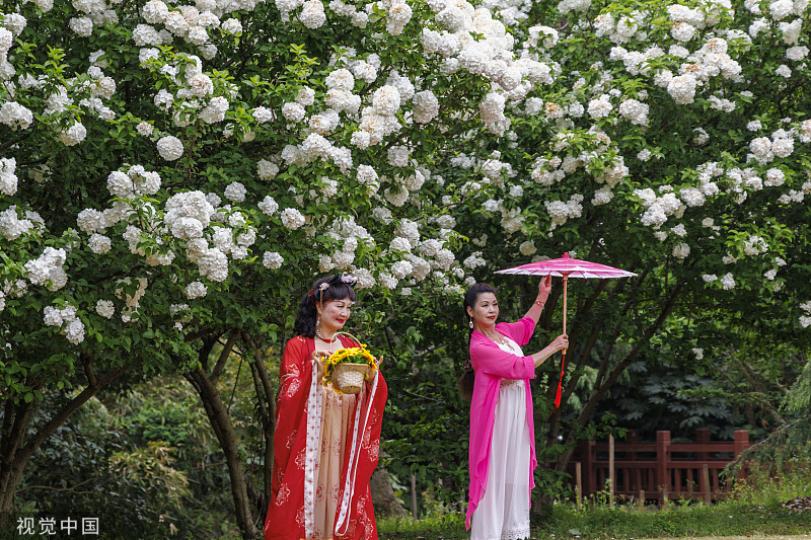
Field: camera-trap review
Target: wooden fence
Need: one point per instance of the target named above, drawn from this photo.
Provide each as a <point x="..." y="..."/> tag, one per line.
<point x="656" y="471"/>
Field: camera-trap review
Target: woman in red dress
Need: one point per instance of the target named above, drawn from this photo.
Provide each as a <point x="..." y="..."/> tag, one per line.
<point x="326" y="444"/>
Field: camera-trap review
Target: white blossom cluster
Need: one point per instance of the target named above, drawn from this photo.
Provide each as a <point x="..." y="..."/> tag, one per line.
<point x="805" y="318"/>
<point x="67" y="321"/>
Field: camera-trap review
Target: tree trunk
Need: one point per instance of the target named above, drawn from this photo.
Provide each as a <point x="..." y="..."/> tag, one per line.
<point x="385" y="502"/>
<point x="266" y="404"/>
<point x="16" y="448"/>
<point x="15" y="426"/>
<point x="227" y="437"/>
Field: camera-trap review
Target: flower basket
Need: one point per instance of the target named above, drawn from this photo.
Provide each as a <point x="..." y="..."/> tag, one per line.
<point x="348" y="369"/>
<point x="349" y="378"/>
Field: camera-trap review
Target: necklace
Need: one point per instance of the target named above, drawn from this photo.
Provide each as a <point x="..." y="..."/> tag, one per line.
<point x="498" y="339"/>
<point x="330" y="341"/>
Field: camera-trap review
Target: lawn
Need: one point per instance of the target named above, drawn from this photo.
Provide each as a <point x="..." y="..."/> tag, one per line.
<point x="600" y="522"/>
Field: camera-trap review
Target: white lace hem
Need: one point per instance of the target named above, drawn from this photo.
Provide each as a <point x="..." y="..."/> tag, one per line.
<point x="519" y="533"/>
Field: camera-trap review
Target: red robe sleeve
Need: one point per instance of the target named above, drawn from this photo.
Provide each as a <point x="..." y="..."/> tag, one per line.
<point x="284" y="518"/>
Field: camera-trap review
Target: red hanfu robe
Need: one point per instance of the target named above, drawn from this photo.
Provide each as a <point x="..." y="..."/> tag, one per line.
<point x="295" y="449"/>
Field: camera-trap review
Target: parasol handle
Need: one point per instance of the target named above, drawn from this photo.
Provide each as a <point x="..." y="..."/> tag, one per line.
<point x="565" y="283"/>
<point x="559" y="391"/>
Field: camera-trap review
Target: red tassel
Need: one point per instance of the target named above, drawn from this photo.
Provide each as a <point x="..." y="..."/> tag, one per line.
<point x="559" y="391"/>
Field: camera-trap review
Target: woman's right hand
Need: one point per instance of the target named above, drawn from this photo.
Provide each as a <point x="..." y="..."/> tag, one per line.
<point x="560" y="343"/>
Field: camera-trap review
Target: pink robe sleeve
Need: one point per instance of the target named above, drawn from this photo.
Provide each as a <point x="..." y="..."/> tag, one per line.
<point x="520" y="331"/>
<point x="488" y="358"/>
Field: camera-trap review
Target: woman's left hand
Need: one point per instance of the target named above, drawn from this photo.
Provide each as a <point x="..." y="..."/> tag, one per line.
<point x="544" y="288"/>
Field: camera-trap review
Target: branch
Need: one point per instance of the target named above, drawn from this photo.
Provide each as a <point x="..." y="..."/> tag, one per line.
<point x="591" y="405"/>
<point x="205" y="350"/>
<point x="87" y="364"/>
<point x="226" y="352"/>
<point x="758" y="385"/>
<point x="72" y="406"/>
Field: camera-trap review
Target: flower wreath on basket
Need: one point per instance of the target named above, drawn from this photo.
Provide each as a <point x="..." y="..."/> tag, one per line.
<point x="348" y="368"/>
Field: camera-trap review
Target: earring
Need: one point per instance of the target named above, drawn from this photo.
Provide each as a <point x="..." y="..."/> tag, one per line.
<point x="471" y="324"/>
<point x="317" y="324"/>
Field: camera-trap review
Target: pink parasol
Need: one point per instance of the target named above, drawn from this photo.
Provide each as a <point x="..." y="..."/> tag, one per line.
<point x="567" y="267"/>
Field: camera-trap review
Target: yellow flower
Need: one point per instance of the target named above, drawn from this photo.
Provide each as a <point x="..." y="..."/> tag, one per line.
<point x="353" y="355"/>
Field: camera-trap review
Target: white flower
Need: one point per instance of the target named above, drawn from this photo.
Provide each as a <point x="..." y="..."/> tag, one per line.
<point x="681" y="251"/>
<point x="709" y="278"/>
<point x="634" y="111"/>
<point x="213" y="264"/>
<point x="268" y="205"/>
<point x="398" y="156"/>
<point x="195" y="289"/>
<point x="698" y="352"/>
<point x="527" y="248"/>
<point x="105" y="308"/>
<point x="401" y="269"/>
<point x="784" y="71"/>
<point x="51" y="316"/>
<point x="306" y="95"/>
<point x="81" y="26"/>
<point x="90" y="220"/>
<point x="600" y="107"/>
<point x="761" y="148"/>
<point x="602" y="196"/>
<point x="170" y="148"/>
<point x="231" y="26"/>
<point x="99" y="244"/>
<point x="400" y="244"/>
<point x="399" y="13"/>
<point x="293" y="112"/>
<point x="387" y="280"/>
<point x="682" y="31"/>
<point x="272" y="260"/>
<point x="47" y="269"/>
<point x="796" y="54"/>
<point x="491" y="110"/>
<point x="144" y="129"/>
<point x="292" y="219"/>
<point x="8" y="180"/>
<point x="341" y="79"/>
<point x="73" y="135"/>
<point x="682" y="88"/>
<point x="235" y="191"/>
<point x="426" y="107"/>
<point x="780" y="9"/>
<point x="774" y="178"/>
<point x="200" y="85"/>
<point x="386" y="100"/>
<point x="312" y="14"/>
<point x="74" y="331"/>
<point x="727" y="281"/>
<point x="266" y="170"/>
<point x="263" y="115"/>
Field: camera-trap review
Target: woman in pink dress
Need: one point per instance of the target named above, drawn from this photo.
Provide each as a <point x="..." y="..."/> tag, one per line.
<point x="502" y="437"/>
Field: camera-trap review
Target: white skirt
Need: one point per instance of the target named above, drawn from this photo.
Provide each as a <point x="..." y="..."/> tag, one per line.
<point x="503" y="512"/>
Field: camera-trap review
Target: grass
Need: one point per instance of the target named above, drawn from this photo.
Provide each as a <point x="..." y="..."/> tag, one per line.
<point x="724" y="519"/>
<point x="755" y="508"/>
